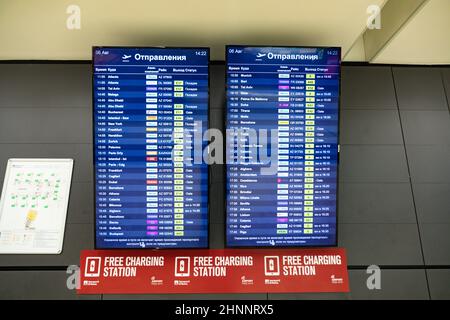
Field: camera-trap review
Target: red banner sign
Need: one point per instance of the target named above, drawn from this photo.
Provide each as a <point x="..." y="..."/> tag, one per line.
<point x="213" y="271"/>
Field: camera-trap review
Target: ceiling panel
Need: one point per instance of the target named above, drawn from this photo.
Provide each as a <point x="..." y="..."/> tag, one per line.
<point x="37" y="29"/>
<point x="424" y="39"/>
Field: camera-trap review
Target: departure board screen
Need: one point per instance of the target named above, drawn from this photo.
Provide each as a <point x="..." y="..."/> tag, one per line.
<point x="148" y="104"/>
<point x="282" y="146"/>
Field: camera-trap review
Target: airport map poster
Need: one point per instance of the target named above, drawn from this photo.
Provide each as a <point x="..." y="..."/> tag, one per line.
<point x="150" y="186"/>
<point x="282" y="113"/>
<point x="33" y="206"/>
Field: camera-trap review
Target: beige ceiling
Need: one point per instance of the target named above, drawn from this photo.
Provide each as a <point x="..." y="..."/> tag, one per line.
<point x="37" y="29"/>
<point x="424" y="39"/>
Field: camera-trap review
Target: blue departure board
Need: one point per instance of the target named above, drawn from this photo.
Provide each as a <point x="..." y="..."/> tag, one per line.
<point x="150" y="192"/>
<point x="282" y="113"/>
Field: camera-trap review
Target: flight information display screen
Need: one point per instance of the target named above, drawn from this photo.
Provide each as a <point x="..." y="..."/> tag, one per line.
<point x="148" y="104"/>
<point x="282" y="146"/>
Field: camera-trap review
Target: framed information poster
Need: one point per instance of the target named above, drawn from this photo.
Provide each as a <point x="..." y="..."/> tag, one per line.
<point x="33" y="205"/>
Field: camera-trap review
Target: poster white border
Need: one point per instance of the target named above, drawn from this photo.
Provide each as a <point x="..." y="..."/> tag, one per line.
<point x="36" y="250"/>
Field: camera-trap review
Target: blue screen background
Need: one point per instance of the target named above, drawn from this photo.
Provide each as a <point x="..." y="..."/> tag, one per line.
<point x="143" y="199"/>
<point x="294" y="90"/>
